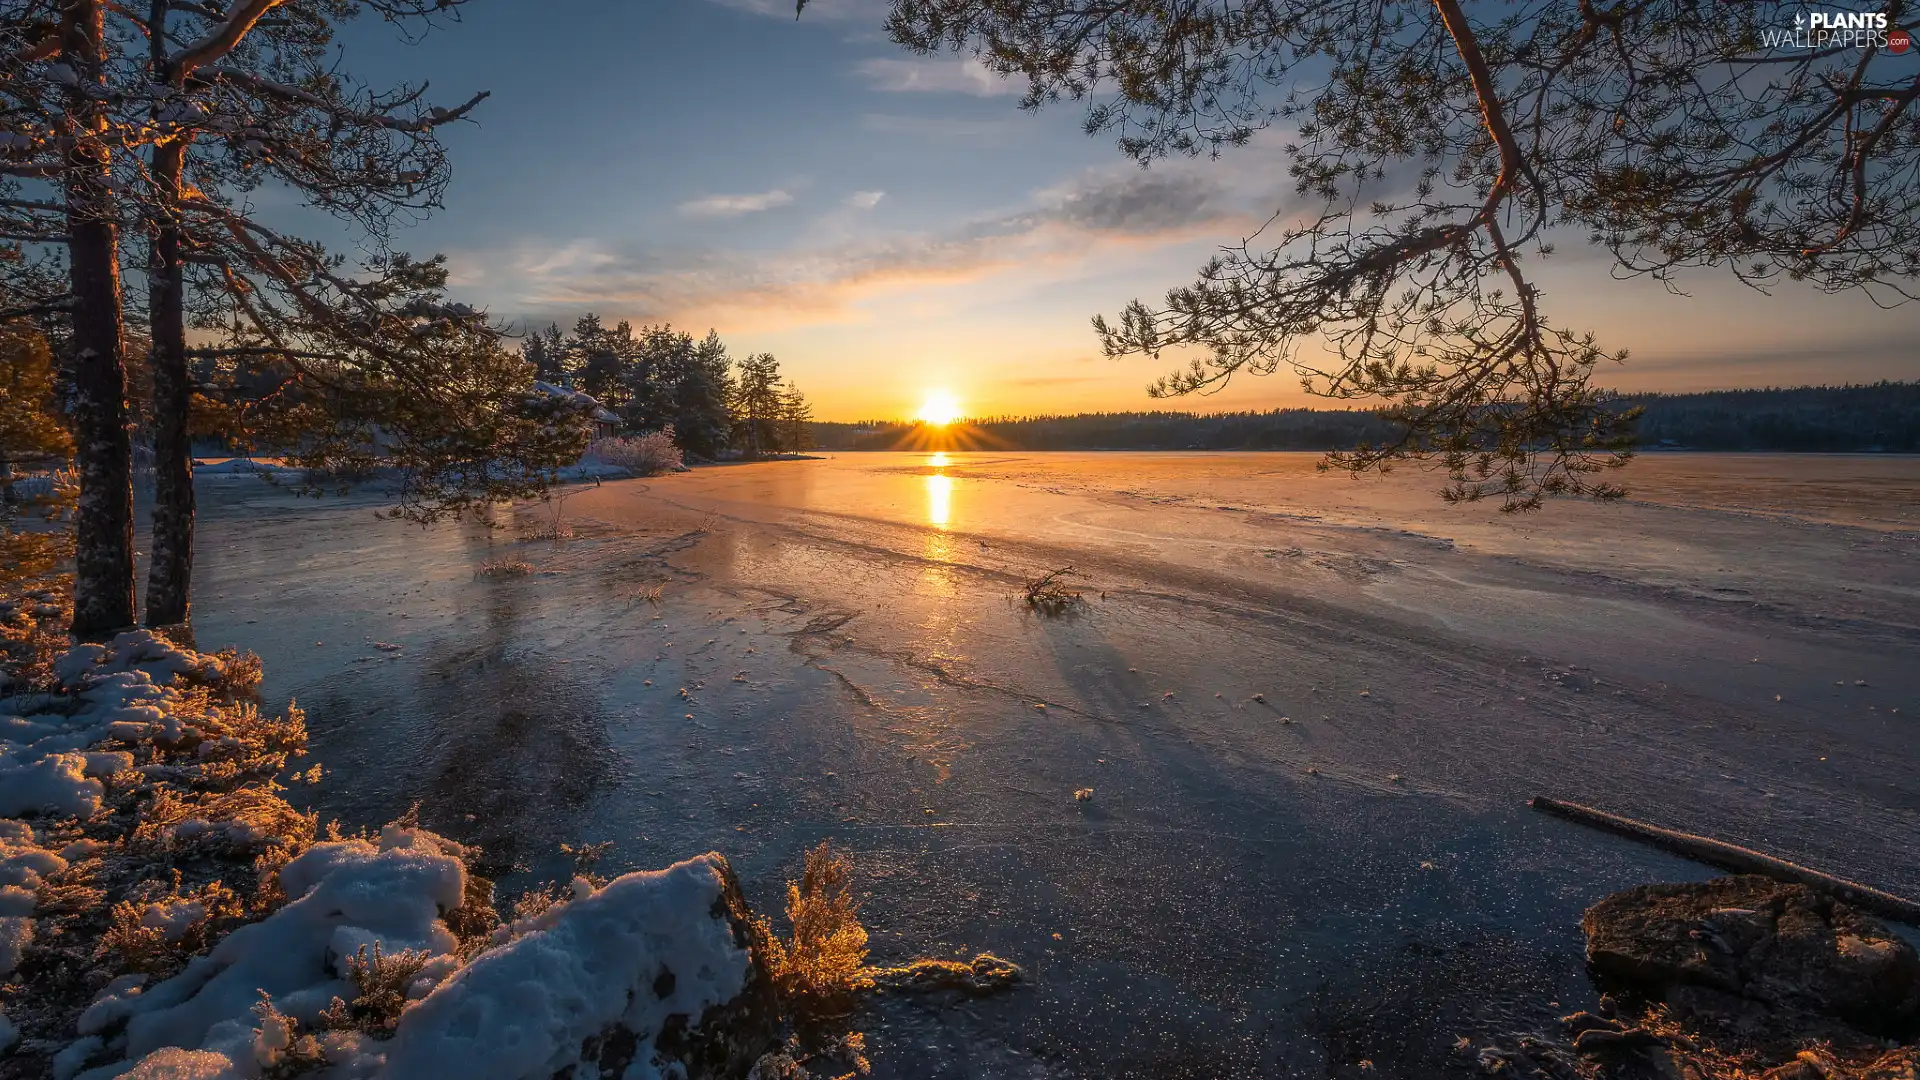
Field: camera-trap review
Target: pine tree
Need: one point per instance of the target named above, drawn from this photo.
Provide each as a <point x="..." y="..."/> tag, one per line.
<point x="657" y="365"/>
<point x="701" y="420"/>
<point x="796" y="416"/>
<point x="756" y="405"/>
<point x="555" y="348"/>
<point x="600" y="359"/>
<point x="544" y="361"/>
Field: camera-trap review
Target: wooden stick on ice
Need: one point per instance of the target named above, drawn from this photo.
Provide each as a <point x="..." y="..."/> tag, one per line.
<point x="1735" y="858"/>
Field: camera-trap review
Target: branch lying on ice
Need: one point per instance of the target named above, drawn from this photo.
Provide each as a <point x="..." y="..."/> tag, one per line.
<point x="1740" y="860"/>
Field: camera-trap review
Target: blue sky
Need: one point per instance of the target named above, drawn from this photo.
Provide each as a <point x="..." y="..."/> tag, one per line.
<point x="889" y="225"/>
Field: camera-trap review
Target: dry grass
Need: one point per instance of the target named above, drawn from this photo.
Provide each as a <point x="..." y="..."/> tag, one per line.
<point x="239" y="677"/>
<point x="586" y="859"/>
<point x="821" y="967"/>
<point x="1652" y="1042"/>
<point x="1052" y="594"/>
<point x="555" y="530"/>
<point x="149" y="949"/>
<point x="846" y="1051"/>
<point x="144" y="897"/>
<point x="534" y="902"/>
<point x="380" y="983"/>
<point x="1779" y="1054"/>
<point x="243" y="822"/>
<point x="644" y="455"/>
<point x="283" y="1050"/>
<point x="475" y="920"/>
<point x="504" y="568"/>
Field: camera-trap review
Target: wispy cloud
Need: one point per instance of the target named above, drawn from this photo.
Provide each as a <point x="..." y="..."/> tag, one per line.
<point x="962" y="76"/>
<point x="865" y="200"/>
<point x="710" y="206"/>
<point x="580" y="256"/>
<point x="1071" y="228"/>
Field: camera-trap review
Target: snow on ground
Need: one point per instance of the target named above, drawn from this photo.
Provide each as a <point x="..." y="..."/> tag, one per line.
<point x="279" y="993"/>
<point x="346" y="895"/>
<point x="51" y="761"/>
<point x="118" y="692"/>
<point x="647" y="947"/>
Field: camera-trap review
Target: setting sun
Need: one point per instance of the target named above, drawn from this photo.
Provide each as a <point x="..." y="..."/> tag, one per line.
<point x="940" y="409"/>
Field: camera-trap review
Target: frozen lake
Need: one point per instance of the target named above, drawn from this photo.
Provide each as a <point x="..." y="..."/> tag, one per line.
<point x="1337" y="871"/>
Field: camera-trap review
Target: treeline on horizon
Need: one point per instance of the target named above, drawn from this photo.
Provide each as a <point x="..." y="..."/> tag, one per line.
<point x="1881" y="417"/>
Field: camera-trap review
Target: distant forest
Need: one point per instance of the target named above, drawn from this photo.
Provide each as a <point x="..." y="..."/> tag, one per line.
<point x="1878" y="418"/>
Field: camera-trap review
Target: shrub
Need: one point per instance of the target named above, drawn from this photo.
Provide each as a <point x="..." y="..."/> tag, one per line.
<point x="1050" y="594"/>
<point x="824" y="963"/>
<point x="381" y="981"/>
<point x="649" y="454"/>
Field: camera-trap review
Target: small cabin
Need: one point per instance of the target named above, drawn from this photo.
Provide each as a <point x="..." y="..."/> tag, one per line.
<point x="605" y="423"/>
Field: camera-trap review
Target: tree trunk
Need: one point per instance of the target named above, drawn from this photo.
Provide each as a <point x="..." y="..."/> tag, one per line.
<point x="170" y="552"/>
<point x="103" y="521"/>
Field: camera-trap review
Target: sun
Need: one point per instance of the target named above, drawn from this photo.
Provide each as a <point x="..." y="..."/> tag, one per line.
<point x="939" y="410"/>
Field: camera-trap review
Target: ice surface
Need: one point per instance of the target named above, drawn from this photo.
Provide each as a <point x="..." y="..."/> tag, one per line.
<point x="1246" y="833"/>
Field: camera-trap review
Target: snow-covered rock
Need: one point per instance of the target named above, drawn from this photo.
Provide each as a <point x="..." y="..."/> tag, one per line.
<point x="653" y="975"/>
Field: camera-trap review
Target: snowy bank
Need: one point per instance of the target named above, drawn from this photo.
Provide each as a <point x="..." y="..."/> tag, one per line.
<point x="648" y="977"/>
<point x="164" y="913"/>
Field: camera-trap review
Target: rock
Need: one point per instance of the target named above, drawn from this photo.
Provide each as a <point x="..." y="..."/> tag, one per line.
<point x="654" y="972"/>
<point x="733" y="1035"/>
<point x="1759" y="941"/>
<point x="729" y="1037"/>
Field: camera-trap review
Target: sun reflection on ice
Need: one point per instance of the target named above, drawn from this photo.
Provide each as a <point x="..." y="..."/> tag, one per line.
<point x="939" y="500"/>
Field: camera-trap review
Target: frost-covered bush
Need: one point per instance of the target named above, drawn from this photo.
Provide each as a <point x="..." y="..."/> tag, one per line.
<point x="824" y="964"/>
<point x="644" y="455"/>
